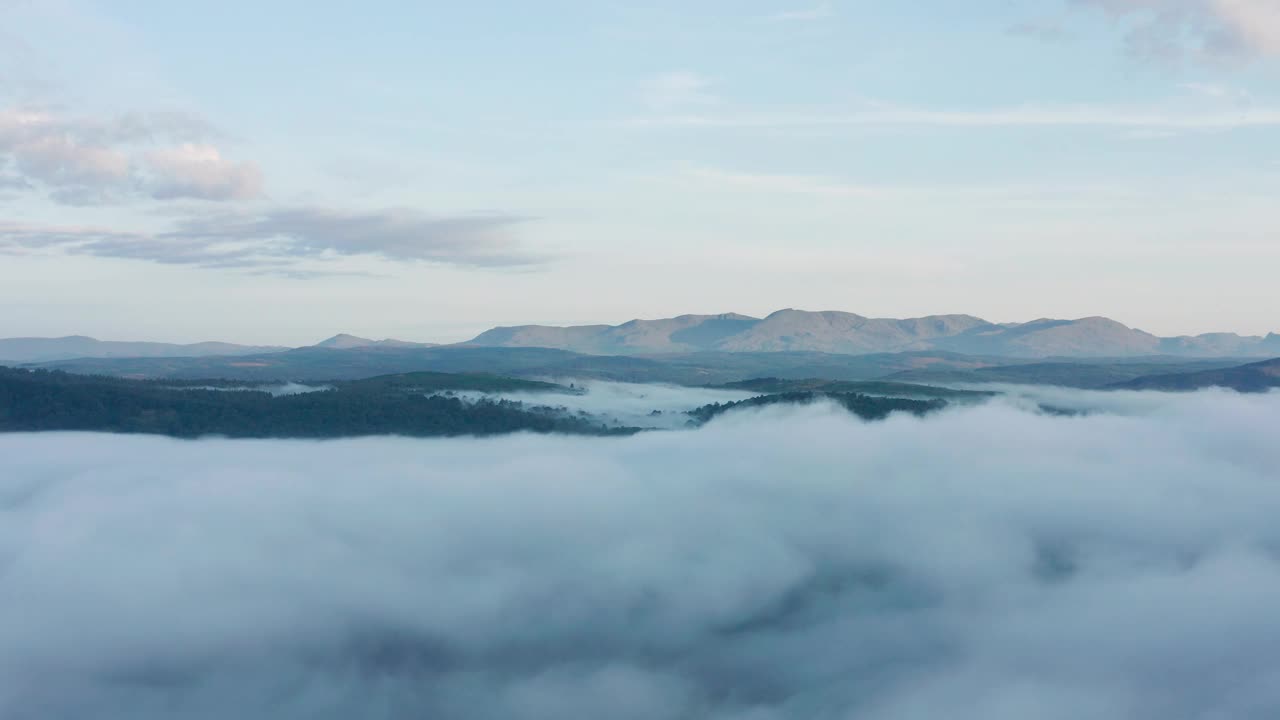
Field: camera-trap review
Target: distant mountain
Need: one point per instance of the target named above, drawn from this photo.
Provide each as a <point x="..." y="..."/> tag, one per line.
<point x="686" y="333"/>
<point x="841" y="332"/>
<point x="32" y="349"/>
<point x="343" y="341"/>
<point x="848" y="333"/>
<point x="1086" y="337"/>
<point x="1254" y="377"/>
<point x="1221" y="344"/>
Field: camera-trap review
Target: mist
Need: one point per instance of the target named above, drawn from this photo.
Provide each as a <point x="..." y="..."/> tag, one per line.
<point x="275" y="390"/>
<point x="986" y="562"/>
<point x="646" y="405"/>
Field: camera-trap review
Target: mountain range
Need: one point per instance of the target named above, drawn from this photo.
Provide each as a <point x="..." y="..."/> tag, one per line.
<point x="849" y="333"/>
<point x="343" y="341"/>
<point x="39" y="350"/>
<point x="33" y="349"/>
<point x="785" y="331"/>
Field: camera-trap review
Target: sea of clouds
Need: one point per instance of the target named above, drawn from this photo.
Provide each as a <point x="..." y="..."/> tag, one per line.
<point x="986" y="562"/>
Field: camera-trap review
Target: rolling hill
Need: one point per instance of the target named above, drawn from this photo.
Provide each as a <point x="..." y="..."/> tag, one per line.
<point x="322" y="364"/>
<point x="39" y="349"/>
<point x="1254" y="377"/>
<point x="1083" y="375"/>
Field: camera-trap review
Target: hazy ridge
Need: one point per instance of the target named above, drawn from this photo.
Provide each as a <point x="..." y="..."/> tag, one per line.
<point x="849" y="333"/>
<point x="41" y="349"/>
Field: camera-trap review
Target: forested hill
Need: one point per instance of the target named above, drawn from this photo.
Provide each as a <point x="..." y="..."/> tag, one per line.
<point x="864" y="406"/>
<point x="50" y="400"/>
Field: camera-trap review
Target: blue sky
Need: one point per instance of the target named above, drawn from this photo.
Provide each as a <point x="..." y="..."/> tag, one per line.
<point x="279" y="172"/>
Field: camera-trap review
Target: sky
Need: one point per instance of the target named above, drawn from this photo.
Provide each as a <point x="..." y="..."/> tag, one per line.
<point x="280" y="172"/>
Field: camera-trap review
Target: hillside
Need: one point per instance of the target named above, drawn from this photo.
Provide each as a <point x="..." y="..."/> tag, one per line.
<point x="848" y="333"/>
<point x="1084" y="375"/>
<point x="1254" y="377"/>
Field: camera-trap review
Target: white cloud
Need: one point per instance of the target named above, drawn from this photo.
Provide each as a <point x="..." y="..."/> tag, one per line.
<point x="677" y="90"/>
<point x="1172" y="29"/>
<point x="816" y="12"/>
<point x="200" y="171"/>
<point x="1256" y="23"/>
<point x="86" y="160"/>
<point x="985" y="564"/>
<point x="47" y="152"/>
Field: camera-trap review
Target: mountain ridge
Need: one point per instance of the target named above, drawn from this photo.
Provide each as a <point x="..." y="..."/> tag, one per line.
<point x="832" y="331"/>
<point x="343" y="341"/>
<point x="69" y="347"/>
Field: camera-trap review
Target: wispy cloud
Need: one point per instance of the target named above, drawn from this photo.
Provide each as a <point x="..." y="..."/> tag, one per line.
<point x="1027" y="116"/>
<point x="281" y="239"/>
<point x="1047" y="30"/>
<point x="1217" y="92"/>
<point x="678" y="90"/>
<point x="816" y="12"/>
<point x="1175" y="29"/>
<point x="783" y="183"/>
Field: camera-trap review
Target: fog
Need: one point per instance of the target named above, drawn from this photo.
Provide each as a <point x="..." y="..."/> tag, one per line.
<point x="1120" y="402"/>
<point x="276" y="390"/>
<point x="984" y="563"/>
<point x="626" y="404"/>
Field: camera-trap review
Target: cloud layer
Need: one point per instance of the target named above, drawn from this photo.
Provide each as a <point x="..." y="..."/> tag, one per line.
<point x="169" y="157"/>
<point x="278" y="238"/>
<point x="986" y="563"/>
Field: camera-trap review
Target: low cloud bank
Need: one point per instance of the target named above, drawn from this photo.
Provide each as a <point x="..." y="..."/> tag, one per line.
<point x="986" y="563"/>
<point x="626" y="404"/>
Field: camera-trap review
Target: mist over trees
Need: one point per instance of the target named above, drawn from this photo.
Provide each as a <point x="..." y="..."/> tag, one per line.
<point x="44" y="400"/>
<point x="867" y="407"/>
